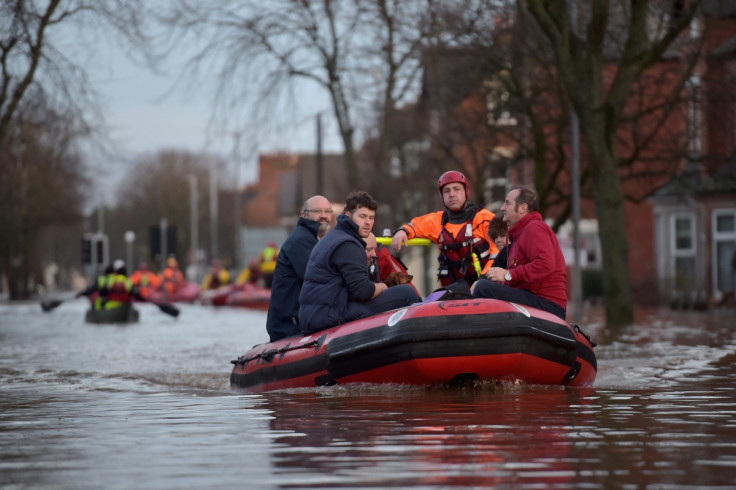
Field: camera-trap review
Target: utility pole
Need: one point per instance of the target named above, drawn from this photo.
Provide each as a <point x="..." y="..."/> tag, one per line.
<point x="237" y="206"/>
<point x="318" y="160"/>
<point x="194" y="224"/>
<point x="214" y="253"/>
<point x="577" y="276"/>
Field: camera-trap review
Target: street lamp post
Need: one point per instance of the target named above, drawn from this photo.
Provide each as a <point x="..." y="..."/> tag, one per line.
<point x="213" y="209"/>
<point x="194" y="222"/>
<point x="129" y="240"/>
<point x="577" y="279"/>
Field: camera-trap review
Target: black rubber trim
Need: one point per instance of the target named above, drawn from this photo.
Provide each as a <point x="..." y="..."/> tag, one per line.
<point x="279" y="372"/>
<point x="586" y="353"/>
<point x="451" y="336"/>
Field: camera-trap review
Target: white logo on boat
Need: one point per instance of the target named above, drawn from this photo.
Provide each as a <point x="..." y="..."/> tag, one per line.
<point x="396" y="317"/>
<point x="522" y="310"/>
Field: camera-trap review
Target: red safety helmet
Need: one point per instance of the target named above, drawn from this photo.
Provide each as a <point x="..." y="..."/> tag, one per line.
<point x="450" y="177"/>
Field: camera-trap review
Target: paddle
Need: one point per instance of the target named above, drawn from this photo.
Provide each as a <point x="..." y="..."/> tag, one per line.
<point x="386" y="240"/>
<point x="168" y="308"/>
<point x="49" y="304"/>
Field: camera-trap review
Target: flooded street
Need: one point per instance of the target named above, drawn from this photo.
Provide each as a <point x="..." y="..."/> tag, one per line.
<point x="149" y="405"/>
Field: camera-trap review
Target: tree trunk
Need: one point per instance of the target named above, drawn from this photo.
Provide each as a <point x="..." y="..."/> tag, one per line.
<point x="609" y="207"/>
<point x="341" y="109"/>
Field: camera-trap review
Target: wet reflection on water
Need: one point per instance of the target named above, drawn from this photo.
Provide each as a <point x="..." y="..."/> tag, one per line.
<point x="149" y="406"/>
<point x="507" y="436"/>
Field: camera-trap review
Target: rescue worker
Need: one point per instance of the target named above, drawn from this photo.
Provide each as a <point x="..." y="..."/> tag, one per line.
<point x="145" y="280"/>
<point x="267" y="261"/>
<point x="172" y="278"/>
<point x="119" y="288"/>
<point x="97" y="291"/>
<point x="249" y="274"/>
<point x="217" y="277"/>
<point x="461" y="231"/>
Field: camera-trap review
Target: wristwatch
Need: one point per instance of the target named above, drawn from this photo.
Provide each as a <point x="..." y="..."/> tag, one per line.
<point x="507" y="277"/>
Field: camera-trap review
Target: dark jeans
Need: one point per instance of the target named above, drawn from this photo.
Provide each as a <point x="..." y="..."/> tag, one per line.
<point x="394" y="297"/>
<point x="489" y="289"/>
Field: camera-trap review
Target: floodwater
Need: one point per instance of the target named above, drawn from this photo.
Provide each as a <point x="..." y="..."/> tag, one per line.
<point x="149" y="406"/>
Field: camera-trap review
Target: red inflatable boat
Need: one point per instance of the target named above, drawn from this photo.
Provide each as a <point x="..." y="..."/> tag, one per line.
<point x="244" y="295"/>
<point x="441" y="342"/>
<point x="188" y="292"/>
<point x="250" y="296"/>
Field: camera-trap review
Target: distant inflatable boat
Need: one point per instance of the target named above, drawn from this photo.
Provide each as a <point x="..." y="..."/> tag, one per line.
<point x="243" y="295"/>
<point x="188" y="292"/>
<point x="123" y="314"/>
<point x="250" y="296"/>
<point x="441" y="342"/>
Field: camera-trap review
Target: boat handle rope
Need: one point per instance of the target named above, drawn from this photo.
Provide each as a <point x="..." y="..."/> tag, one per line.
<point x="587" y="337"/>
<point x="270" y="354"/>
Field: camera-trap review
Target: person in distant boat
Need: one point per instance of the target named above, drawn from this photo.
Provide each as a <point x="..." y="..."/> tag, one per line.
<point x="120" y="290"/>
<point x="267" y="259"/>
<point x="97" y="291"/>
<point x="337" y="288"/>
<point x="497" y="231"/>
<point x="291" y="263"/>
<point x="172" y="278"/>
<point x="249" y="274"/>
<point x="460" y="230"/>
<point x="217" y="276"/>
<point x="535" y="275"/>
<point x="145" y="280"/>
<point x="115" y="290"/>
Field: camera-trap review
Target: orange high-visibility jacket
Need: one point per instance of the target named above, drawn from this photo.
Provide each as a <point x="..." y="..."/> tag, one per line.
<point x="430" y="226"/>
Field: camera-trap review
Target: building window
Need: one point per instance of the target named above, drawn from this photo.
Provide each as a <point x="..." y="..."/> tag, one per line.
<point x="724" y="244"/>
<point x="683" y="251"/>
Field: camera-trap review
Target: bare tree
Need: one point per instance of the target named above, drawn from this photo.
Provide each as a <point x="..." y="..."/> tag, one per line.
<point x="42" y="185"/>
<point x="393" y="39"/>
<point x="490" y="58"/>
<point x="259" y="49"/>
<point x="33" y="61"/>
<point x="157" y="186"/>
<point x="46" y="108"/>
<point x="581" y="63"/>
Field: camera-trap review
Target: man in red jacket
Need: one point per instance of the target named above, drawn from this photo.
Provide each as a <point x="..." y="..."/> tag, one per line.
<point x="536" y="274"/>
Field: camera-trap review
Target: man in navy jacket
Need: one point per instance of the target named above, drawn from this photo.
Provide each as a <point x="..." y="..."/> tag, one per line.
<point x="283" y="310"/>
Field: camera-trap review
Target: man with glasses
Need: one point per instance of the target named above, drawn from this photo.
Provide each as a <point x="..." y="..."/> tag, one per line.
<point x="291" y="264"/>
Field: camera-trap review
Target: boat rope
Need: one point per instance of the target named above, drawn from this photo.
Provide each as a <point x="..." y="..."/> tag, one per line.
<point x="587" y="337"/>
<point x="271" y="353"/>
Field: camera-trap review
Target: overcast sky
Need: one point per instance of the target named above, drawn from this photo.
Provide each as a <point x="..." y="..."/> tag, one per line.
<point x="145" y="116"/>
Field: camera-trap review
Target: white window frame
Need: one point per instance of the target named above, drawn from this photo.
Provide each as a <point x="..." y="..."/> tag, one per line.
<point x="677" y="253"/>
<point x="719" y="237"/>
<point x="673" y="235"/>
